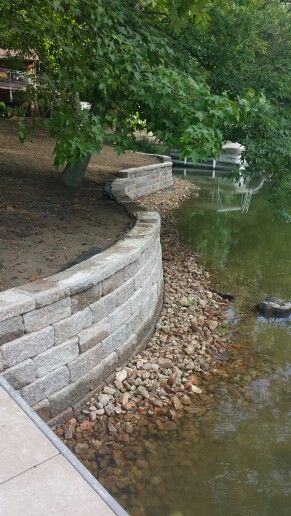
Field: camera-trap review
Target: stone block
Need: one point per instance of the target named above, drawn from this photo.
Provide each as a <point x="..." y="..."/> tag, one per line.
<point x="65" y="398"/>
<point x="138" y="240"/>
<point x="124" y="174"/>
<point x="85" y="362"/>
<point x="73" y="325"/>
<point x="47" y="315"/>
<point x="56" y="357"/>
<point x="45" y="291"/>
<point x="61" y="418"/>
<point x="27" y="346"/>
<point x="143" y="274"/>
<point x="119" y="190"/>
<point x="86" y="298"/>
<point x="14" y="302"/>
<point x="103" y="307"/>
<point x="128" y="248"/>
<point x="147" y="216"/>
<point x="124" y="292"/>
<point x="78" y="280"/>
<point x="20" y="375"/>
<point x="91" y="336"/>
<point x="120" y="254"/>
<point x="42" y="408"/>
<point x="74" y="392"/>
<point x="109" y="365"/>
<point x="43" y="387"/>
<point x="132" y="269"/>
<point x="145" y="333"/>
<point x="113" y="341"/>
<point x="152" y="251"/>
<point x="127" y="350"/>
<point x="149" y="291"/>
<point x="166" y="159"/>
<point x="96" y="378"/>
<point x="11" y="329"/>
<point x="150" y="303"/>
<point x="134" y="323"/>
<point x="117" y="257"/>
<point x="155" y="168"/>
<point x="160" y="286"/>
<point x="157" y="274"/>
<point x="136" y="301"/>
<point x="112" y="283"/>
<point x="120" y="315"/>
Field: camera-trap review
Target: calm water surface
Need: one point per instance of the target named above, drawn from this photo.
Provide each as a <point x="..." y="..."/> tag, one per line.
<point x="236" y="459"/>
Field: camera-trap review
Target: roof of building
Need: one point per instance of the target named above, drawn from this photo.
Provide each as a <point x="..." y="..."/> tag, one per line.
<point x="4" y="53"/>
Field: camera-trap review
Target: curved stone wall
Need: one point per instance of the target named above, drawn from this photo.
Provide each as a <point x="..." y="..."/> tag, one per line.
<point x="62" y="337"/>
<point x="133" y="183"/>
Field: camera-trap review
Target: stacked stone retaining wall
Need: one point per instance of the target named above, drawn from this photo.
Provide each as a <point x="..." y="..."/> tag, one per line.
<point x="63" y="336"/>
<point x="133" y="183"/>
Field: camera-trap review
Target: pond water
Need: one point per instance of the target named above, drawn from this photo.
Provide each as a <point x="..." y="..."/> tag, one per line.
<point x="236" y="459"/>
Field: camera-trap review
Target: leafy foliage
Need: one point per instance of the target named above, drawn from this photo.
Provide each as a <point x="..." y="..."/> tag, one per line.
<point x="194" y="72"/>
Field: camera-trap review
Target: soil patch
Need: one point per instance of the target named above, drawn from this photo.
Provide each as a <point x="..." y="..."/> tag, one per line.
<point x="44" y="226"/>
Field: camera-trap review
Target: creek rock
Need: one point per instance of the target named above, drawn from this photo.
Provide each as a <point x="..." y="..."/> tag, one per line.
<point x="165" y="363"/>
<point x="109" y="409"/>
<point x="109" y="390"/>
<point x="177" y="403"/>
<point x="225" y="295"/>
<point x="186" y="301"/>
<point x="274" y="307"/>
<point x="212" y="325"/>
<point x="81" y="448"/>
<point x="142" y="391"/>
<point x="121" y="375"/>
<point x="196" y="389"/>
<point x="104" y="399"/>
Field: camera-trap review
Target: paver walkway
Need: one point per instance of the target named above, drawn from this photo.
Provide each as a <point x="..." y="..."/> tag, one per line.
<point x="38" y="474"/>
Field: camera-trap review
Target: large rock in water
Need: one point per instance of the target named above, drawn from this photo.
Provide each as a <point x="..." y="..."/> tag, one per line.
<point x="274" y="307"/>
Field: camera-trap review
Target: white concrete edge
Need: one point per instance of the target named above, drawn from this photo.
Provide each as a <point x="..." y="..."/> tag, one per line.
<point x="64" y="451"/>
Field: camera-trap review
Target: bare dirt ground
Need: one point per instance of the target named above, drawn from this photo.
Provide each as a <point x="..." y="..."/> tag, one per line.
<point x="44" y="225"/>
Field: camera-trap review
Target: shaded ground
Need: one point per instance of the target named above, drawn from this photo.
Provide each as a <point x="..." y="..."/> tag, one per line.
<point x="44" y="225"/>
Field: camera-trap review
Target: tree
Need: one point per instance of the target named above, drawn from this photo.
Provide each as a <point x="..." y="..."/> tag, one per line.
<point x="152" y="64"/>
<point x="246" y="46"/>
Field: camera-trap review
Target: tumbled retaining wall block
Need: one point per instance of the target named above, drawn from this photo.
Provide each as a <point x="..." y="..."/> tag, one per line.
<point x="133" y="183"/>
<point x="62" y="337"/>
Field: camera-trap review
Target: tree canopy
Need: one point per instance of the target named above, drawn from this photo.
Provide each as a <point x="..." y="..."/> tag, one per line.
<point x="194" y="72"/>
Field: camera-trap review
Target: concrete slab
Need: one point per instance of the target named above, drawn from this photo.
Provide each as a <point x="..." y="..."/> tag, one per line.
<point x="17" y="433"/>
<point x="38" y="473"/>
<point x="52" y="488"/>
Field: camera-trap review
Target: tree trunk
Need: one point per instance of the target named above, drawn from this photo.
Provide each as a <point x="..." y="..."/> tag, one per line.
<point x="73" y="175"/>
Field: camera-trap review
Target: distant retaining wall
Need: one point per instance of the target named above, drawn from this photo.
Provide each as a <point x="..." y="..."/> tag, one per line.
<point x="62" y="337"/>
<point x="133" y="183"/>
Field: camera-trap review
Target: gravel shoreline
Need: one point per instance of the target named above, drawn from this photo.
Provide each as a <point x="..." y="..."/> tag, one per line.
<point x="151" y="393"/>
